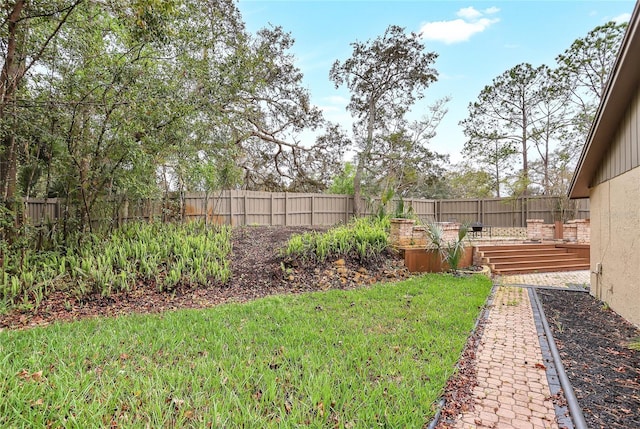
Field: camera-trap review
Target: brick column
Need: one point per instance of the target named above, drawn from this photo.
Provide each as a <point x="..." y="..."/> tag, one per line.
<point x="534" y="229"/>
<point x="401" y="232"/>
<point x="450" y="231"/>
<point x="570" y="232"/>
<point x="548" y="232"/>
<point x="583" y="230"/>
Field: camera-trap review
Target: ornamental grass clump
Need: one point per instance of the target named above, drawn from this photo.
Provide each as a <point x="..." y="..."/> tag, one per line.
<point x="364" y="238"/>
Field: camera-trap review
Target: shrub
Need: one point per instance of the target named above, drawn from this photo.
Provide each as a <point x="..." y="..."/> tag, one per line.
<point x="451" y="252"/>
<point x="165" y="253"/>
<point x="365" y="238"/>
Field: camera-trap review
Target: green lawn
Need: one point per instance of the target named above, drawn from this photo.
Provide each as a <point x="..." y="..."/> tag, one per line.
<point x="374" y="357"/>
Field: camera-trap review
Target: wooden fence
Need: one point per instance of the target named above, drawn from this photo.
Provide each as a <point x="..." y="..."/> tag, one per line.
<point x="298" y="209"/>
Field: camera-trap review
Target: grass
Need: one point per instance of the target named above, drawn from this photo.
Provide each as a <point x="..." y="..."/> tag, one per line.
<point x="373" y="357"/>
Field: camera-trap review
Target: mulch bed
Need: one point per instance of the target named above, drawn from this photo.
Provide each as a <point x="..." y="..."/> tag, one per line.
<point x="593" y="342"/>
<point x="257" y="271"/>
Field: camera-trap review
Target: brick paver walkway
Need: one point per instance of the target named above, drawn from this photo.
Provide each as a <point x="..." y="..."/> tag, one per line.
<point x="560" y="279"/>
<point x="512" y="390"/>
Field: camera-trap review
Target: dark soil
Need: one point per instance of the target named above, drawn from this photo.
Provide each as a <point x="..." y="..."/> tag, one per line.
<point x="593" y="342"/>
<point x="258" y="271"/>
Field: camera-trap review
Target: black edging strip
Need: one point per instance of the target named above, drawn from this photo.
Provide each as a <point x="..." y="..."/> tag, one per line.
<point x="552" y="374"/>
<point x="484" y="315"/>
<point x="572" y="402"/>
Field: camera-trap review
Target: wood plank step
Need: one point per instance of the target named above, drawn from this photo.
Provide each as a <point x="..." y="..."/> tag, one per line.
<point x="539" y="264"/>
<point x="497" y="253"/>
<point x="527" y="258"/>
<point x="516" y="247"/>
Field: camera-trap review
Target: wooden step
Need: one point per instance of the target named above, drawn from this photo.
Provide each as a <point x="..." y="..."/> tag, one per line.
<point x="525" y="258"/>
<point x="538" y="263"/>
<point x="530" y="252"/>
<point x="518" y="247"/>
<point x="531" y="258"/>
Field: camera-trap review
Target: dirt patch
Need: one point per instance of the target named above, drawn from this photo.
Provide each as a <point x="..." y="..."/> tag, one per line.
<point x="257" y="268"/>
<point x="593" y="342"/>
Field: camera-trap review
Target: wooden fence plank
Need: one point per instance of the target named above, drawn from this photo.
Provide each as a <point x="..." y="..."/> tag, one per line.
<point x="284" y="208"/>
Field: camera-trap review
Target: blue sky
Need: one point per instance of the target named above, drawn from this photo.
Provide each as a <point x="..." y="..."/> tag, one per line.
<point x="475" y="41"/>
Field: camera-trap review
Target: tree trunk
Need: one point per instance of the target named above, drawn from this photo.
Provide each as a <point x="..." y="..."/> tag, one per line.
<point x="357" y="187"/>
<point x="497" y="178"/>
<point x="363" y="158"/>
<point x="9" y="80"/>
<point x="525" y="161"/>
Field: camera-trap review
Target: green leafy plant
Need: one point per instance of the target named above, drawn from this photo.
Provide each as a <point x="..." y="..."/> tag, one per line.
<point x="451" y="251"/>
<point x="192" y="253"/>
<point x="403" y="212"/>
<point x="365" y="238"/>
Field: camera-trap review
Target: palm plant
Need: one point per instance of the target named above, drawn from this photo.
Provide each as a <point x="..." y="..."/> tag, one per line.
<point x="451" y="251"/>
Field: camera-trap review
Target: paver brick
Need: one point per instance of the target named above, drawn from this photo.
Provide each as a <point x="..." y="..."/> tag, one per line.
<point x="512" y="392"/>
<point x="506" y="412"/>
<point x="521" y="424"/>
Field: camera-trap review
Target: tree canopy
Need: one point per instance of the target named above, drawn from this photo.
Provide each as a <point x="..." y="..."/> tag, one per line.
<point x="386" y="76"/>
<point x="126" y="100"/>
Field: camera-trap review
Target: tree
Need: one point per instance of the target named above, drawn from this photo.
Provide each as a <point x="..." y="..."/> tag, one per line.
<point x="554" y="117"/>
<point x="343" y="182"/>
<point x="584" y="69"/>
<point x="117" y="109"/>
<point x="465" y="181"/>
<point x="505" y="117"/>
<point x="401" y="160"/>
<point x="385" y="76"/>
<point x="29" y="33"/>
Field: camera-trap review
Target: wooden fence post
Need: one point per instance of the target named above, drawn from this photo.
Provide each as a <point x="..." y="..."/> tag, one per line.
<point x="312" y="208"/>
<point x="271" y="210"/>
<point x="231" y="207"/>
<point x="346" y="209"/>
<point x="246" y="211"/>
<point x="286" y="209"/>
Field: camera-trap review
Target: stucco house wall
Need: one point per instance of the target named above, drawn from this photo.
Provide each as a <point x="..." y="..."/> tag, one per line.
<point x="609" y="174"/>
<point x="615" y="244"/>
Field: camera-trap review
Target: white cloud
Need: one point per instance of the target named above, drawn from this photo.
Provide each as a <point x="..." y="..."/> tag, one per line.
<point x="469" y="13"/>
<point x="621" y="18"/>
<point x="471" y="22"/>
